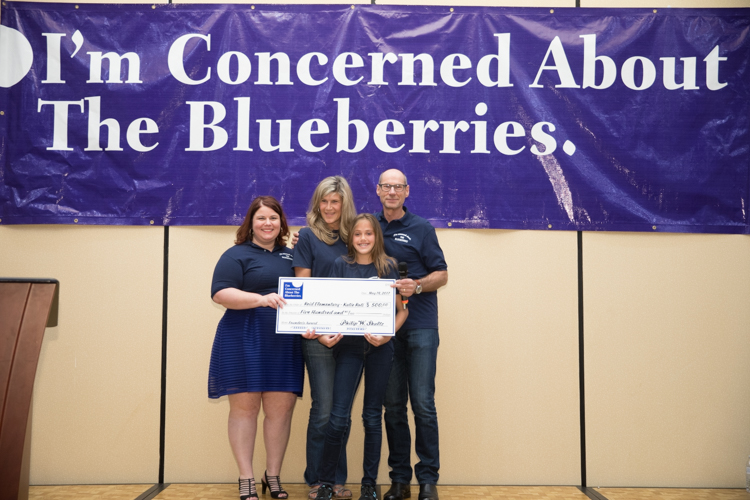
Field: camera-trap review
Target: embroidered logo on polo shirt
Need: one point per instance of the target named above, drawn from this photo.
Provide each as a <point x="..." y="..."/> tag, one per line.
<point x="286" y="256"/>
<point x="402" y="238"/>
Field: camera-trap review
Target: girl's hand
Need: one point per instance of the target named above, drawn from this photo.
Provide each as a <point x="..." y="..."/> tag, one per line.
<point x="330" y="340"/>
<point x="377" y="340"/>
<point x="273" y="300"/>
<point x="310" y="335"/>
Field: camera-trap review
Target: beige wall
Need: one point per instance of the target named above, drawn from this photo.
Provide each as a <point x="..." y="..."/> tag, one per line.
<point x="96" y="396"/>
<point x="507" y="379"/>
<point x="666" y="333"/>
<point x="667" y="347"/>
<point x="666" y="343"/>
<point x="508" y="359"/>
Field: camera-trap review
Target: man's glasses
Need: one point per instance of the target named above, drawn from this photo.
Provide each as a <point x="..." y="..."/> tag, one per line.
<point x="396" y="187"/>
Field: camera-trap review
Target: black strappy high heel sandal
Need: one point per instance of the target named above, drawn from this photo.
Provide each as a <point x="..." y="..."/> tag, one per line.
<point x="273" y="483"/>
<point x="247" y="489"/>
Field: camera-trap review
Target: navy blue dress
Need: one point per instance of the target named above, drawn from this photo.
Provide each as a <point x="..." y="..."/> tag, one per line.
<point x="248" y="355"/>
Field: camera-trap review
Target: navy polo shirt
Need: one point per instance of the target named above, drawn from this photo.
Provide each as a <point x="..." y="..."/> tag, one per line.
<point x="413" y="240"/>
<point x="311" y="253"/>
<point x="251" y="268"/>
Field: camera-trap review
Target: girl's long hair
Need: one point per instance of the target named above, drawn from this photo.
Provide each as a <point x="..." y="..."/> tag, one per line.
<point x="336" y="185"/>
<point x="245" y="231"/>
<point x="383" y="263"/>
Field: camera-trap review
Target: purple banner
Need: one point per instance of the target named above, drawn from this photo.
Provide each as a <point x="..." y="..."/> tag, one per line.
<point x="519" y="118"/>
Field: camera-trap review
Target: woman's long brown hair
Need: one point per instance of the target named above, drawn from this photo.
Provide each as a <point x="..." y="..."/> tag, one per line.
<point x="383" y="263"/>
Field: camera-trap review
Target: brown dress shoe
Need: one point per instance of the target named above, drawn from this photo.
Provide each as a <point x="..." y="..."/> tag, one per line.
<point x="397" y="491"/>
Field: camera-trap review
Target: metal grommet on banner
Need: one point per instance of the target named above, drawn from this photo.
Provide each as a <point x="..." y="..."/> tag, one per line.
<point x="451" y="9"/>
<point x="352" y="7"/>
<point x="655" y="11"/>
<point x="2" y="113"/>
<point x="552" y="11"/>
<point x="75" y="220"/>
<point x="653" y="227"/>
<point x="152" y="223"/>
<point x="76" y="7"/>
<point x="252" y="7"/>
<point x="549" y="226"/>
<point x="450" y="224"/>
<point x="153" y="7"/>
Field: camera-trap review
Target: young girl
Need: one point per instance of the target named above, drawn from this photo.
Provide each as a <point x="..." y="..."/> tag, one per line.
<point x="372" y="354"/>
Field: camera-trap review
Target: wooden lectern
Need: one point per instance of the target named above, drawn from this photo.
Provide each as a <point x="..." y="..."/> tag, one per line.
<point x="27" y="307"/>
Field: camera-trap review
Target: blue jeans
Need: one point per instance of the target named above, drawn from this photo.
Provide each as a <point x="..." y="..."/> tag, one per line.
<point x="354" y="355"/>
<point x="413" y="378"/>
<point x="321" y="368"/>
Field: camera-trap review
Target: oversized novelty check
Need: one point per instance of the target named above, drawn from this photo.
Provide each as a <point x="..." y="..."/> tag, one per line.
<point x="337" y="305"/>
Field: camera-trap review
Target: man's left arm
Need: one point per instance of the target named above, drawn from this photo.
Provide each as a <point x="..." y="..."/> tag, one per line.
<point x="407" y="287"/>
<point x="433" y="281"/>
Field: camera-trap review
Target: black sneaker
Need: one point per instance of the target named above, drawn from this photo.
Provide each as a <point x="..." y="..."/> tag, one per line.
<point x="368" y="492"/>
<point x="325" y="492"/>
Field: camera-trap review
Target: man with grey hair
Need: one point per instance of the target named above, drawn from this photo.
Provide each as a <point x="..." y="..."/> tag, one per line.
<point x="411" y="239"/>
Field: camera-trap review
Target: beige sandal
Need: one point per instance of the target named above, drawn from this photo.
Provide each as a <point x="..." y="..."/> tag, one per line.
<point x="313" y="492"/>
<point x="340" y="491"/>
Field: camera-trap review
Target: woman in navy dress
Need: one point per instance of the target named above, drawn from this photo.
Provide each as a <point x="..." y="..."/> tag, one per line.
<point x="329" y="216"/>
<point x="250" y="363"/>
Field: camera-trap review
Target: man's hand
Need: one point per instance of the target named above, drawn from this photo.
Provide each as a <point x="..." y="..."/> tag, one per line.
<point x="295" y="239"/>
<point x="429" y="283"/>
<point x="405" y="287"/>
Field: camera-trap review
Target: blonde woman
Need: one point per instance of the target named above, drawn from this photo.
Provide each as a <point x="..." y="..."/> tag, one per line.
<point x="329" y="217"/>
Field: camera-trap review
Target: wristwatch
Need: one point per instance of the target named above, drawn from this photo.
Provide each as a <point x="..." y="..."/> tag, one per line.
<point x="419" y="287"/>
